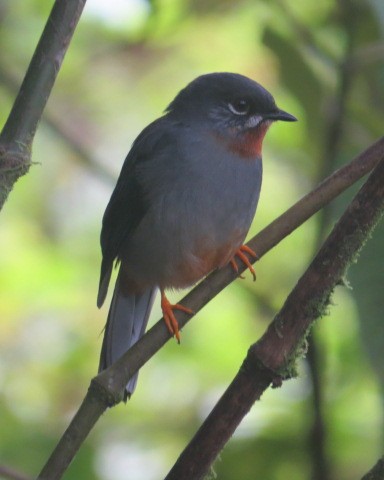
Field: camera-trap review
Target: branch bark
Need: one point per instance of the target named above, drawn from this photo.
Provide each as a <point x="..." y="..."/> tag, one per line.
<point x="273" y="358"/>
<point x="377" y="471"/>
<point x="107" y="388"/>
<point x="19" y="130"/>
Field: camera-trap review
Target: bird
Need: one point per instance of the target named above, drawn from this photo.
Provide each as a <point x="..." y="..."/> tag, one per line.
<point x="183" y="202"/>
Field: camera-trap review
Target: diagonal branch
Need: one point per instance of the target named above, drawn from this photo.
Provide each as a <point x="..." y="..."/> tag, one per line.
<point x="272" y="359"/>
<point x="107" y="388"/>
<point x="19" y="130"/>
<point x="8" y="473"/>
<point x="67" y="135"/>
<point x="376" y="472"/>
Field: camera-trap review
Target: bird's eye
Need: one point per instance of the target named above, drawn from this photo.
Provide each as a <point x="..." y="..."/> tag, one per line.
<point x="239" y="107"/>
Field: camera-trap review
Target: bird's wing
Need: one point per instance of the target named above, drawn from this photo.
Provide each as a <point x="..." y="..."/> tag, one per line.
<point x="128" y="203"/>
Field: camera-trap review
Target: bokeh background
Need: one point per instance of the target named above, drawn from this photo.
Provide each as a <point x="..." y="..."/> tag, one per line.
<point x="323" y="62"/>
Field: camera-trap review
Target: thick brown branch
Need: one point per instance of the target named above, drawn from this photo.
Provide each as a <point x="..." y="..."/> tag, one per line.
<point x="377" y="471"/>
<point x="19" y="130"/>
<point x="273" y="358"/>
<point x="111" y="382"/>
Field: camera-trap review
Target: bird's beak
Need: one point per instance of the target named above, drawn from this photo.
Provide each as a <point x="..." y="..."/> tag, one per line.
<point x="280" y="115"/>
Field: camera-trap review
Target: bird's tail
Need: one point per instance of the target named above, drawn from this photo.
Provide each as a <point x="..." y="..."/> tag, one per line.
<point x="127" y="320"/>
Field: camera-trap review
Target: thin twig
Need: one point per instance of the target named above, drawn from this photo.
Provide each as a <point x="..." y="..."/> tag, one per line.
<point x="273" y="358"/>
<point x="107" y="388"/>
<point x="82" y="152"/>
<point x="8" y="473"/>
<point x="42" y="71"/>
<point x="19" y="130"/>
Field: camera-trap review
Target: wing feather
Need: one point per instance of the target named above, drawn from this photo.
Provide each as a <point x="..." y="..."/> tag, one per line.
<point x="129" y="202"/>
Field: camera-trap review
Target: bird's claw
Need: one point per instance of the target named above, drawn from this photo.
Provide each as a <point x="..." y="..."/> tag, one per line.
<point x="240" y="253"/>
<point x="169" y="317"/>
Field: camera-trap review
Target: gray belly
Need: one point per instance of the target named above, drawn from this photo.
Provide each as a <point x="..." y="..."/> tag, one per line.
<point x="193" y="229"/>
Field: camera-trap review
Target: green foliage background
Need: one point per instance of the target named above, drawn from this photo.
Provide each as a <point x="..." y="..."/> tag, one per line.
<point x="323" y="62"/>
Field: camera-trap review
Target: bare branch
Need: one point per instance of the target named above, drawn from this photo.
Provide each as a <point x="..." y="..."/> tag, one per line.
<point x="82" y="152"/>
<point x="8" y="473"/>
<point x="19" y="130"/>
<point x="377" y="471"/>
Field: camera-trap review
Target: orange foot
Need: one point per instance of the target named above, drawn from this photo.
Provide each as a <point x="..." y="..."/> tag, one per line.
<point x="244" y="259"/>
<point x="169" y="316"/>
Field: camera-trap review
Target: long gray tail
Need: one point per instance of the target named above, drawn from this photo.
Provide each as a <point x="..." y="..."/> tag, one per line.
<point x="126" y="323"/>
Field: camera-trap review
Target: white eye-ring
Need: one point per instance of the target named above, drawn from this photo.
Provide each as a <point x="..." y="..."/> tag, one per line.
<point x="239" y="107"/>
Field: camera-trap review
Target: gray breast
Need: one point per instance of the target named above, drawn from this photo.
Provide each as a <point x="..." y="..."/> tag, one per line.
<point x="202" y="204"/>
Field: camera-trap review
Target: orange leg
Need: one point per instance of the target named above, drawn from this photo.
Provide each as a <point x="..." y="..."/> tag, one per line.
<point x="169" y="316"/>
<point x="240" y="253"/>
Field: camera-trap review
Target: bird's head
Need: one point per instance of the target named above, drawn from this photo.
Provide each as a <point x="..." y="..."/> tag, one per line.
<point x="236" y="109"/>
